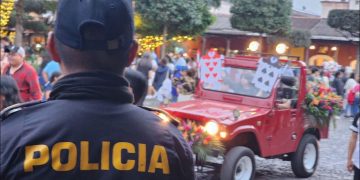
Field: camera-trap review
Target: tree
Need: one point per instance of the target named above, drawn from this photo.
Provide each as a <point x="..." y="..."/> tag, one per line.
<point x="262" y="16"/>
<point x="348" y="21"/>
<point x="345" y="20"/>
<point x="214" y="3"/>
<point x="299" y="38"/>
<point x="21" y="20"/>
<point x="173" y="17"/>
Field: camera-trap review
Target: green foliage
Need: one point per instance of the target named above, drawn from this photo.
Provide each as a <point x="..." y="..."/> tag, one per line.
<point x="214" y="3"/>
<point x="181" y="17"/>
<point x="29" y="23"/>
<point x="39" y="6"/>
<point x="299" y="38"/>
<point x="262" y="16"/>
<point x="174" y="44"/>
<point x="346" y="20"/>
<point x="296" y="38"/>
<point x="36" y="26"/>
<point x="36" y="6"/>
<point x="202" y="144"/>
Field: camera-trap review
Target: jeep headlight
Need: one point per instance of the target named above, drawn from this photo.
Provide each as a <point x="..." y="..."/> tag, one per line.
<point x="212" y="128"/>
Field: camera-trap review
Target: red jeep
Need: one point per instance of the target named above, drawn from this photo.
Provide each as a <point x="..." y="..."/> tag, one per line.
<point x="262" y="126"/>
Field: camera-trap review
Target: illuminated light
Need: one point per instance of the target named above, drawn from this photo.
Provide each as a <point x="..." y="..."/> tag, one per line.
<point x="164" y="117"/>
<point x="6" y="7"/>
<point x="312" y="47"/>
<point x="223" y="134"/>
<point x="281" y="48"/>
<point x="152" y="42"/>
<point x="212" y="128"/>
<point x="38" y="46"/>
<point x="185" y="55"/>
<point x="254" y="46"/>
<point x="334" y="48"/>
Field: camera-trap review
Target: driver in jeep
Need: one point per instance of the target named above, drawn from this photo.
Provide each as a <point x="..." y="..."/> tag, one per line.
<point x="286" y="94"/>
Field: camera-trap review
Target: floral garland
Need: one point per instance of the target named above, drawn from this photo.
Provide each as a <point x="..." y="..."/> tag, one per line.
<point x="322" y="104"/>
<point x="202" y="144"/>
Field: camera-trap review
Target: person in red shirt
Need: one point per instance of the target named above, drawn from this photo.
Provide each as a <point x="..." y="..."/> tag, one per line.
<point x="24" y="74"/>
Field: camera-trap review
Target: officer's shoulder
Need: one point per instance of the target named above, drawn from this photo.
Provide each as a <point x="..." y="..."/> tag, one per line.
<point x="11" y="110"/>
<point x="162" y="115"/>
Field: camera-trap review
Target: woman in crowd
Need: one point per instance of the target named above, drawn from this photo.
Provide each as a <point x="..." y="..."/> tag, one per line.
<point x="9" y="92"/>
<point x="350" y="85"/>
<point x="147" y="66"/>
<point x="138" y="85"/>
<point x="338" y="83"/>
<point x="324" y="79"/>
<point x="354" y="99"/>
<point x="161" y="73"/>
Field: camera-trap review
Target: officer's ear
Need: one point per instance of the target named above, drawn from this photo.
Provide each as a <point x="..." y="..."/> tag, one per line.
<point x="133" y="51"/>
<point x="52" y="48"/>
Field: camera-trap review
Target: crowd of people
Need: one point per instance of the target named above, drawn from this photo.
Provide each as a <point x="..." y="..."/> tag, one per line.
<point x="344" y="82"/>
<point x="31" y="84"/>
<point x="167" y="77"/>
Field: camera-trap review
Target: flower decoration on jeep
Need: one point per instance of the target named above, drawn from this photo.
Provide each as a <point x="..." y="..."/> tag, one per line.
<point x="202" y="142"/>
<point x="321" y="104"/>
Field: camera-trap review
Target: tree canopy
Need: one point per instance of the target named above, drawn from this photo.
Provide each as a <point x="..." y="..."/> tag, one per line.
<point x="177" y="17"/>
<point x="262" y="16"/>
<point x="214" y="3"/>
<point x="173" y="17"/>
<point x="299" y="38"/>
<point x="38" y="7"/>
<point x="345" y="20"/>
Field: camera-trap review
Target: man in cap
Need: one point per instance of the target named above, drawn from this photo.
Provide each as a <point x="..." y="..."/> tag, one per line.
<point x="24" y="74"/>
<point x="89" y="129"/>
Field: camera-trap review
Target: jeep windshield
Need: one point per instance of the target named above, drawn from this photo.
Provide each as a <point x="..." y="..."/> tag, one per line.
<point x="236" y="81"/>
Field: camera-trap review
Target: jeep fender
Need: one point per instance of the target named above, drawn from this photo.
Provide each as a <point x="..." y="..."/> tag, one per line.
<point x="249" y="132"/>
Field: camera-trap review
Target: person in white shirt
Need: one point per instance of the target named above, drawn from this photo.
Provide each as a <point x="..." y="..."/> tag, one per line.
<point x="353" y="161"/>
<point x="349" y="85"/>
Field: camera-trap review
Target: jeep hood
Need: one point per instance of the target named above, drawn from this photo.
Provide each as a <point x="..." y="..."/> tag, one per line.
<point x="202" y="110"/>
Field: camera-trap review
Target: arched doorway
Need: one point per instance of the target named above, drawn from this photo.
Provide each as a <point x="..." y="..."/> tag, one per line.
<point x="353" y="64"/>
<point x="318" y="60"/>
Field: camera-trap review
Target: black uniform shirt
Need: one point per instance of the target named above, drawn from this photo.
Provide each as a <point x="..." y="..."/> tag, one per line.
<point x="90" y="130"/>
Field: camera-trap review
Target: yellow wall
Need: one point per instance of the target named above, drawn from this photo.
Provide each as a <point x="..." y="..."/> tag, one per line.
<point x="300" y="52"/>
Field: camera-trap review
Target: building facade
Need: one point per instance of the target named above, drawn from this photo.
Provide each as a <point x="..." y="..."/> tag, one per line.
<point x="328" y="44"/>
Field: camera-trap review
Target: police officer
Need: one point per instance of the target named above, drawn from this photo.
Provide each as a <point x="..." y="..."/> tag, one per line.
<point x="89" y="129"/>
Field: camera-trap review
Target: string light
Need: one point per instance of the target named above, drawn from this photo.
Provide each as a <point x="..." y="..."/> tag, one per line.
<point x="6" y="7"/>
<point x="9" y="34"/>
<point x="150" y="43"/>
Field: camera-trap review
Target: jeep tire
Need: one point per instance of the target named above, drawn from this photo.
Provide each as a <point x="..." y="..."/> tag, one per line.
<point x="239" y="164"/>
<point x="304" y="161"/>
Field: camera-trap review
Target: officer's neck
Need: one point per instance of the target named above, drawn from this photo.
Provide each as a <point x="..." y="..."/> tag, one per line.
<point x="67" y="71"/>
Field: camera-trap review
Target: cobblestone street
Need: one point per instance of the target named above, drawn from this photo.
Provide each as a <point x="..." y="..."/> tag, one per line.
<point x="332" y="163"/>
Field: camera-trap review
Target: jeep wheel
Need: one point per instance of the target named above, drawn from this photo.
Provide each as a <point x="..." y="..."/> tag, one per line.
<point x="239" y="164"/>
<point x="304" y="161"/>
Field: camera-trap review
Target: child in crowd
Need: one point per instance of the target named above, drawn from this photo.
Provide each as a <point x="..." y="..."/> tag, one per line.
<point x="49" y="86"/>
